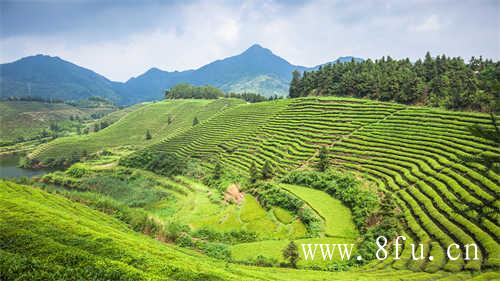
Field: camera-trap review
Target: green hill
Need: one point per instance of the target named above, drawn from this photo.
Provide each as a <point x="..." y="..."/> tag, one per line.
<point x="419" y="156"/>
<point x="412" y="152"/>
<point x="48" y="237"/>
<point x="52" y="78"/>
<point x="131" y="128"/>
<point x="26" y="119"/>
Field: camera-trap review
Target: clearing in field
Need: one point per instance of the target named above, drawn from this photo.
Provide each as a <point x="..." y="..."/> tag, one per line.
<point x="337" y="217"/>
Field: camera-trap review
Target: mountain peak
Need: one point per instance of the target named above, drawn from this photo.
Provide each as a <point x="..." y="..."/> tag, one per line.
<point x="257" y="49"/>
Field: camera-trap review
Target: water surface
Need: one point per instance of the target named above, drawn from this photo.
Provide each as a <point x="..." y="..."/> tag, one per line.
<point x="9" y="168"/>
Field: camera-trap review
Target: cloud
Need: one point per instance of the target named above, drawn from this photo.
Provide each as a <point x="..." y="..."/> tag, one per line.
<point x="431" y="24"/>
<point x="124" y="39"/>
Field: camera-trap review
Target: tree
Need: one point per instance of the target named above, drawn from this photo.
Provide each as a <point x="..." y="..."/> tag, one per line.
<point x="148" y="135"/>
<point x="291" y="253"/>
<point x="267" y="170"/>
<point x="195" y="121"/>
<point x="294" y="90"/>
<point x="217" y="171"/>
<point x="323" y="159"/>
<point x="254" y="176"/>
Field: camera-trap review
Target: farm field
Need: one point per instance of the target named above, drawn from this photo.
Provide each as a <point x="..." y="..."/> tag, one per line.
<point x="26" y="119"/>
<point x="413" y="152"/>
<point x="131" y="129"/>
<point x="59" y="229"/>
<point x="336" y="216"/>
<point x="418" y="155"/>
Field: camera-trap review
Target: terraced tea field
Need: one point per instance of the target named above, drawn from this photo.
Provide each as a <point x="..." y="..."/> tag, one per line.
<point x="131" y="129"/>
<point x="337" y="217"/>
<point x="194" y="207"/>
<point x="26" y="119"/>
<point x="412" y="152"/>
<point x="417" y="154"/>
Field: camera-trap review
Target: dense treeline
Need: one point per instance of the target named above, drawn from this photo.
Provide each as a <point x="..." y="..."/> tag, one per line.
<point x="441" y="81"/>
<point x="249" y="97"/>
<point x="36" y="98"/>
<point x="187" y="91"/>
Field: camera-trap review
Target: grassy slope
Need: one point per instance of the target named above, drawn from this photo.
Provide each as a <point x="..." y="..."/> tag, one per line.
<point x="197" y="210"/>
<point x="337" y="217"/>
<point x="27" y="118"/>
<point x="338" y="227"/>
<point x="47" y="237"/>
<point x="413" y="152"/>
<point x="131" y="128"/>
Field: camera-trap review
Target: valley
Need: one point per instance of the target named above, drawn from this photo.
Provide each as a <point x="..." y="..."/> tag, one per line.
<point x="403" y="167"/>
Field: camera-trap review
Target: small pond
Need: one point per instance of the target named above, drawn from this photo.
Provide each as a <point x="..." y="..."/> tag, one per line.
<point x="9" y="168"/>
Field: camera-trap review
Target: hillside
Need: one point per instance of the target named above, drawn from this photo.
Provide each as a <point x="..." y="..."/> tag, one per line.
<point x="412" y="152"/>
<point x="131" y="129"/>
<point x="27" y="119"/>
<point x="52" y="78"/>
<point x="418" y="155"/>
<point x="46" y="236"/>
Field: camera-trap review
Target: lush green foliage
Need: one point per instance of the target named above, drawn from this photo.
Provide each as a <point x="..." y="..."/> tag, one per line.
<point x="28" y="120"/>
<point x="270" y="195"/>
<point x="291" y="253"/>
<point x="129" y="130"/>
<point x="249" y="97"/>
<point x="160" y="163"/>
<point x="341" y="186"/>
<point x="415" y="153"/>
<point x="439" y="81"/>
<point x="338" y="220"/>
<point x="46" y="237"/>
<point x="323" y="159"/>
<point x="187" y="91"/>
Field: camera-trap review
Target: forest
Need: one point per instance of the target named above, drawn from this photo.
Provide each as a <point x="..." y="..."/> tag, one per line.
<point x="439" y="81"/>
<point x="188" y="91"/>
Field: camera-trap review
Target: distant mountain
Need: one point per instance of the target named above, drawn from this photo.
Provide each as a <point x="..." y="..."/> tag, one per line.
<point x="255" y="70"/>
<point x="52" y="77"/>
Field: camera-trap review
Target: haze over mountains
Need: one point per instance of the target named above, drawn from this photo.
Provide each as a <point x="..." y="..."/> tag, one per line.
<point x="255" y="70"/>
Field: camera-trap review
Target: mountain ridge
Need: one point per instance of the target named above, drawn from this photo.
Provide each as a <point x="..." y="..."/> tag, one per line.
<point x="257" y="69"/>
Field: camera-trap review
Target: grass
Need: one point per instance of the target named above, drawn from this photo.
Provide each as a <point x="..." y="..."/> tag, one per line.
<point x="413" y="152"/>
<point x="198" y="211"/>
<point x="272" y="249"/>
<point x="283" y="215"/>
<point x="27" y="119"/>
<point x="47" y="237"/>
<point x="131" y="129"/>
<point x="337" y="217"/>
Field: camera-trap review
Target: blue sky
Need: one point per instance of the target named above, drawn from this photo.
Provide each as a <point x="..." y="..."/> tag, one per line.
<point x="121" y="39"/>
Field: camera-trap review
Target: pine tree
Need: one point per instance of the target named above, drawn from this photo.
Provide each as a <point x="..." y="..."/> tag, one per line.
<point x="195" y="121"/>
<point x="148" y="135"/>
<point x="323" y="159"/>
<point x="294" y="90"/>
<point x="267" y="170"/>
<point x="217" y="171"/>
<point x="291" y="253"/>
<point x="254" y="176"/>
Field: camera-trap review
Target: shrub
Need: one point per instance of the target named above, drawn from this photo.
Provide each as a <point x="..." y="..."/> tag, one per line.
<point x="167" y="164"/>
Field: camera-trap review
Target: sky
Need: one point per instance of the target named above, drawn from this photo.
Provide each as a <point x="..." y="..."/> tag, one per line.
<point x="122" y="39"/>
